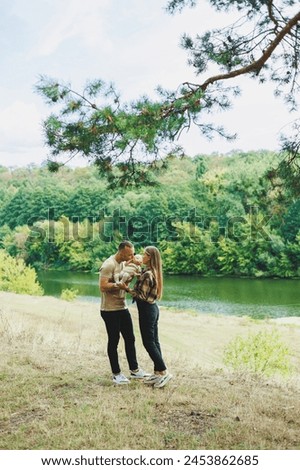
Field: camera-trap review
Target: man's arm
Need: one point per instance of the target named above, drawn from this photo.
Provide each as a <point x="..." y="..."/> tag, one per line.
<point x="106" y="285"/>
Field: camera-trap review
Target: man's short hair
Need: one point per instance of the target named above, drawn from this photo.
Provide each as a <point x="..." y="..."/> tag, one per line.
<point x="124" y="244"/>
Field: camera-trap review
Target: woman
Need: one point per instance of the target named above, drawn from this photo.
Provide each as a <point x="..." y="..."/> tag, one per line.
<point x="146" y="291"/>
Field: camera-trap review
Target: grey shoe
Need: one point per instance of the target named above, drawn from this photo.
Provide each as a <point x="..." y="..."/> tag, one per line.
<point x="140" y="374"/>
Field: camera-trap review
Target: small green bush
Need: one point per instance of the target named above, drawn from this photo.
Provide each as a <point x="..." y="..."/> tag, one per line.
<point x="260" y="353"/>
<point x="69" y="294"/>
<point x="16" y="277"/>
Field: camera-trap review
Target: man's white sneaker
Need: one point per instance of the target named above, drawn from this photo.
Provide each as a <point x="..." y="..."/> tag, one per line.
<point x="120" y="379"/>
<point x="140" y="374"/>
<point x="164" y="379"/>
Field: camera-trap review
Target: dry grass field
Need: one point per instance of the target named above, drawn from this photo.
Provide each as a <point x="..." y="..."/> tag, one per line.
<point x="56" y="389"/>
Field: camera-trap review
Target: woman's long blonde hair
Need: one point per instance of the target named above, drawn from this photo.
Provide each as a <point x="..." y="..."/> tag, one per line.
<point x="156" y="267"/>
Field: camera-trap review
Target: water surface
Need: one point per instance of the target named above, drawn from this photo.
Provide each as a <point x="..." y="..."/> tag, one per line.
<point x="257" y="298"/>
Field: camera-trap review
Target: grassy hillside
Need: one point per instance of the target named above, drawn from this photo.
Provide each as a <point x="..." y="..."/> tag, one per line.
<point x="56" y="389"/>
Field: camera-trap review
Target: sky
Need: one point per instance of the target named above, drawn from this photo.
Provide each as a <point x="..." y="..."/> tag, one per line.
<point x="133" y="43"/>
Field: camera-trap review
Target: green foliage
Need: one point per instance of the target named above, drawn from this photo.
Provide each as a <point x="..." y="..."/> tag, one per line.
<point x="291" y="222"/>
<point x="34" y="194"/>
<point x="16" y="277"/>
<point x="5" y="231"/>
<point x="120" y="137"/>
<point x="288" y="168"/>
<point x="260" y="353"/>
<point x="29" y="204"/>
<point x="69" y="294"/>
<point x="211" y="215"/>
<point x="193" y="253"/>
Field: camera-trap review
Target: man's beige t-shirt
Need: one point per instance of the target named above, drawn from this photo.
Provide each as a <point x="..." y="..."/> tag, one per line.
<point x="112" y="301"/>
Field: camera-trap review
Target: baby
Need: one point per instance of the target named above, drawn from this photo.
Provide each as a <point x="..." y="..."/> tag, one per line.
<point x="131" y="269"/>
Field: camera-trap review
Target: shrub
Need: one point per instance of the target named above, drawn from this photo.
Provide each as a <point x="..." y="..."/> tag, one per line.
<point x="68" y="294"/>
<point x="260" y="353"/>
<point x="16" y="277"/>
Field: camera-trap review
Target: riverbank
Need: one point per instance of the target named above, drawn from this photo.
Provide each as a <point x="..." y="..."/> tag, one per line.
<point x="57" y="391"/>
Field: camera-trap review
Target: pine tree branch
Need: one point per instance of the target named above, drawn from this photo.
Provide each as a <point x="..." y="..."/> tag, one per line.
<point x="257" y="64"/>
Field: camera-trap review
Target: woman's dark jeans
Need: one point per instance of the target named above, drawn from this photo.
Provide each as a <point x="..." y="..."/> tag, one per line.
<point x="119" y="322"/>
<point x="148" y="320"/>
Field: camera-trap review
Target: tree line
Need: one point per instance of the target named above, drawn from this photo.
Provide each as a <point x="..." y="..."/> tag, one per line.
<point x="209" y="215"/>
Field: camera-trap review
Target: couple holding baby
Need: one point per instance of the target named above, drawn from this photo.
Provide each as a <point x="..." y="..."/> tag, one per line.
<point x="115" y="275"/>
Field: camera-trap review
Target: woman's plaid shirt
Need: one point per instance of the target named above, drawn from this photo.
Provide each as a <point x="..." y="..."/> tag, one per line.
<point x="145" y="287"/>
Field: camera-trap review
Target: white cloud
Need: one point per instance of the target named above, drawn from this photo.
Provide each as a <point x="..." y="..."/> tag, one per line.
<point x="20" y="126"/>
<point x="70" y="19"/>
<point x="21" y="140"/>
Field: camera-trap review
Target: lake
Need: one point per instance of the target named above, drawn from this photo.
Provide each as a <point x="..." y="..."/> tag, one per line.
<point x="256" y="298"/>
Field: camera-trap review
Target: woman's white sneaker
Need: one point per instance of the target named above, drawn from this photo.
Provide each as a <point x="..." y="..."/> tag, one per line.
<point x="163" y="380"/>
<point x="120" y="379"/>
<point x="152" y="379"/>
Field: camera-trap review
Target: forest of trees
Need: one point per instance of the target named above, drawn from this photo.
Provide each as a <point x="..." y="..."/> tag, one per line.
<point x="210" y="215"/>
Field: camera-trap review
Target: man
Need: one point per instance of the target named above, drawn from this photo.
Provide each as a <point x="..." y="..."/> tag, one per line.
<point x="116" y="315"/>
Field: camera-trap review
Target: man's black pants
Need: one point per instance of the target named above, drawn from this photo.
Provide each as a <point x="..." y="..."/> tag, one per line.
<point x="119" y="322"/>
